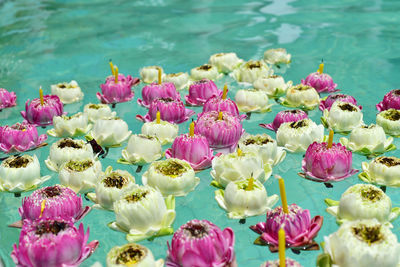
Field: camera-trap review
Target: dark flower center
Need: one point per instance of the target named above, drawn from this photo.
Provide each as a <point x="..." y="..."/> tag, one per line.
<point x="62" y="86"/>
<point x="135" y="197"/>
<point x="392" y="114"/>
<point x="337" y="96"/>
<point x="368" y="234"/>
<point x="298" y="124"/>
<point x="347" y="107"/>
<point x="51" y="191"/>
<point x="302" y="87"/>
<point x="166" y="100"/>
<point x="95" y="106"/>
<point x="205" y="67"/>
<point x="293" y="111"/>
<point x="171" y="168"/>
<point x="79" y="166"/>
<point x="371" y="194"/>
<point x="69" y="143"/>
<point x="131" y="254"/>
<point x="257" y="140"/>
<point x="53" y="227"/>
<point x="254" y="65"/>
<point x="388" y="161"/>
<point x="18" y="126"/>
<point x="115" y="180"/>
<point x="396" y="92"/>
<point x="17" y="162"/>
<point x="196" y="230"/>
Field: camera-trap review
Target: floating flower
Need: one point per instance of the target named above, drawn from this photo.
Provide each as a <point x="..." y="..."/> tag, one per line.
<point x="225" y="62"/>
<point x="65" y="150"/>
<point x="363" y="201"/>
<point x="389" y="120"/>
<point x="42" y="115"/>
<point x="288" y="261"/>
<point x="117" y="91"/>
<point x="322" y="82"/>
<point x="143" y="213"/>
<point x="245" y="198"/>
<point x="165" y="132"/>
<point x="67" y="92"/>
<point x="110" y="132"/>
<point x="382" y="170"/>
<point x="301" y="96"/>
<point x="285" y="116"/>
<point x="171" y="176"/>
<point x="20" y="137"/>
<point x="180" y="79"/>
<point x="300" y="229"/>
<point x="274" y="85"/>
<point x="194" y="149"/>
<point x="205" y="71"/>
<point x="155" y="91"/>
<point x="173" y="111"/>
<point x="251" y="71"/>
<point x="252" y="100"/>
<point x="80" y="175"/>
<point x="52" y="242"/>
<point x="202" y="243"/>
<point x="375" y="244"/>
<point x="327" y="102"/>
<point x="141" y="149"/>
<point x="296" y="136"/>
<point x="368" y="140"/>
<point x="150" y="74"/>
<point x="20" y="173"/>
<point x="7" y="99"/>
<point x="70" y="126"/>
<point x="201" y="91"/>
<point x="95" y="112"/>
<point x="216" y="103"/>
<point x="132" y="255"/>
<point x="277" y="56"/>
<point x="112" y="184"/>
<point x="342" y="117"/>
<point x="390" y="100"/>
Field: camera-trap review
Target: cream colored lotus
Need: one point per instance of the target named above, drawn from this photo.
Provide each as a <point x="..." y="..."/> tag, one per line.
<point x="180" y="79"/>
<point x="142" y="149"/>
<point x="110" y="132"/>
<point x="149" y="74"/>
<point x="252" y="100"/>
<point x="132" y="254"/>
<point x="67" y="92"/>
<point x="70" y="126"/>
<point x="252" y="70"/>
<point x="205" y="71"/>
<point x="225" y="62"/>
<point x="274" y="86"/>
<point x="342" y="117"/>
<point x="277" y="56"/>
<point x="95" y="112"/>
<point x="165" y="131"/>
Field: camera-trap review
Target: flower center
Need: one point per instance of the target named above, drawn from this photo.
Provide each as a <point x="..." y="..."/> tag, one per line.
<point x="302" y="87"/>
<point x="137" y="196"/>
<point x="53" y="227"/>
<point x="392" y="114"/>
<point x="274" y="76"/>
<point x="371" y="194"/>
<point x="396" y="92"/>
<point x="388" y="161"/>
<point x="51" y="191"/>
<point x="166" y="100"/>
<point x="340" y="96"/>
<point x="196" y="230"/>
<point x="258" y="140"/>
<point x="115" y="180"/>
<point x="131" y="255"/>
<point x="69" y="143"/>
<point x="347" y="107"/>
<point x="254" y="65"/>
<point x="368" y="234"/>
<point x="95" y="106"/>
<point x="171" y="168"/>
<point x="17" y="162"/>
<point x="298" y="124"/>
<point x="293" y="111"/>
<point x="205" y="67"/>
<point x="149" y="137"/>
<point x="79" y="166"/>
<point x="18" y="126"/>
<point x="62" y="86"/>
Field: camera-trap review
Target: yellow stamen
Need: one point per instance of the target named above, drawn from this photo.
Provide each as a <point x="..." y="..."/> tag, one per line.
<point x="220" y="115"/>
<point x="321" y="68"/>
<point x="158" y="117"/>
<point x="330" y="139"/>
<point x="283" y="194"/>
<point x="239" y="152"/>
<point x="41" y="96"/>
<point x="159" y="75"/>
<point x="43" y="205"/>
<point x="250" y="185"/>
<point x="225" y="92"/>
<point x="282" y="247"/>
<point x="191" y="129"/>
<point x="116" y="74"/>
<point x="112" y="67"/>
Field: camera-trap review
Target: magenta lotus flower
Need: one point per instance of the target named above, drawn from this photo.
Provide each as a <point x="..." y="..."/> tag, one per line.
<point x="7" y="99"/>
<point x="202" y="243"/>
<point x="216" y="103"/>
<point x="39" y="115"/>
<point x="201" y="91"/>
<point x="20" y="137"/>
<point x="52" y="243"/>
<point x="390" y="100"/>
<point x="117" y="92"/>
<point x="300" y="229"/>
<point x="323" y="164"/>
<point x="194" y="149"/>
<point x="322" y="82"/>
<point x="220" y="133"/>
<point x="171" y="110"/>
<point x="328" y="102"/>
<point x="155" y="91"/>
<point x="285" y="116"/>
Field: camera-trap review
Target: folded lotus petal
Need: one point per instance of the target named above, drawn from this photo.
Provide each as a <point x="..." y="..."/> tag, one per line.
<point x="390" y="100"/>
<point x="42" y="115"/>
<point x="7" y="99"/>
<point x="328" y="102"/>
<point x="155" y="91"/>
<point x="322" y="82"/>
<point x="121" y="91"/>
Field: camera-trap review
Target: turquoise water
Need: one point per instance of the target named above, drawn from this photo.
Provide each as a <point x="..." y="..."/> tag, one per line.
<point x="45" y="42"/>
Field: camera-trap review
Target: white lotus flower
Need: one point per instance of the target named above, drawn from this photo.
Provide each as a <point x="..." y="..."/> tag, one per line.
<point x="171" y="176"/>
<point x="143" y="213"/>
<point x="70" y="126"/>
<point x="95" y="112"/>
<point x="277" y="56"/>
<point x="252" y="100"/>
<point x="150" y="74"/>
<point x="110" y="132"/>
<point x="20" y="173"/>
<point x="81" y="175"/>
<point x="363" y="201"/>
<point x="240" y="202"/>
<point x="382" y="171"/>
<point x="65" y="150"/>
<point x="142" y="149"/>
<point x="364" y="243"/>
<point x="368" y="140"/>
<point x="233" y="167"/>
<point x="67" y="92"/>
<point x="342" y="117"/>
<point x="132" y="254"/>
<point x="297" y="136"/>
<point x="390" y="121"/>
<point x="251" y="71"/>
<point x="112" y="184"/>
<point x="273" y="85"/>
<point x="301" y="96"/>
<point x="263" y="146"/>
<point x="225" y="62"/>
<point x="165" y="132"/>
<point x="205" y="71"/>
<point x="180" y="79"/>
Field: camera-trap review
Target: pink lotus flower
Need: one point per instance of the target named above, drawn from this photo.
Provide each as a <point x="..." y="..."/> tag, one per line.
<point x="194" y="149"/>
<point x="328" y="102"/>
<point x="201" y="91"/>
<point x="155" y="91"/>
<point x="299" y="228"/>
<point x="39" y="115"/>
<point x="171" y="110"/>
<point x="117" y="92"/>
<point x="323" y="164"/>
<point x="322" y="82"/>
<point x="285" y="116"/>
<point x="7" y="99"/>
<point x="20" y="137"/>
<point x="224" y="133"/>
<point x="201" y="243"/>
<point x="390" y="100"/>
<point x="216" y="103"/>
<point x="52" y="242"/>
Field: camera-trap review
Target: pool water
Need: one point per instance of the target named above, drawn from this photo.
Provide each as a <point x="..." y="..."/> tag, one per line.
<point x="46" y="42"/>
